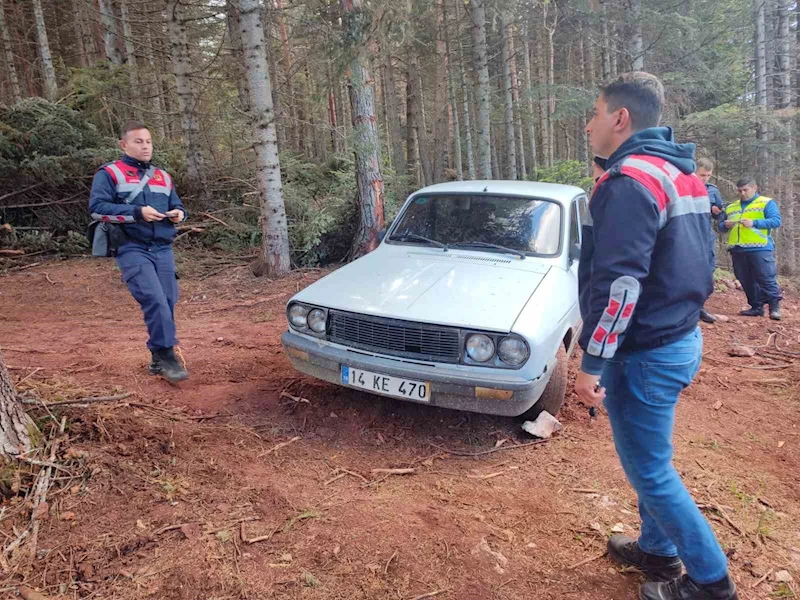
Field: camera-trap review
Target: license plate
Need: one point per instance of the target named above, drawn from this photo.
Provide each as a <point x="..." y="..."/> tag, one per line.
<point x="386" y="384"/>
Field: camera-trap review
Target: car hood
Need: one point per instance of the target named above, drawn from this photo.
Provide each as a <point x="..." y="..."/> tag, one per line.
<point x="470" y="290"/>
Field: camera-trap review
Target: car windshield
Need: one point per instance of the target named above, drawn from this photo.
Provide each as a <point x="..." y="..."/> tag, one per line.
<point x="519" y="224"/>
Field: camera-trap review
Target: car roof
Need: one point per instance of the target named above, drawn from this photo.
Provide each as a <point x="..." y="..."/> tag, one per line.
<point x="563" y="194"/>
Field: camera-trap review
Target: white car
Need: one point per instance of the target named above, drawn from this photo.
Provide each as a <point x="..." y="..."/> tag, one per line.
<point x="470" y="302"/>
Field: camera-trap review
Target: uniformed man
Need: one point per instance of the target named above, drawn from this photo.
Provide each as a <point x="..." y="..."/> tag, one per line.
<point x="749" y="222"/>
<point x="705" y="168"/>
<point x="146" y="229"/>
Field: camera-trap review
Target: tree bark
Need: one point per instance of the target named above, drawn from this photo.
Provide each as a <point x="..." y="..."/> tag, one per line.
<point x="77" y="29"/>
<point x="508" y="96"/>
<point x="233" y="24"/>
<point x="635" y="41"/>
<point x="48" y="71"/>
<point x="130" y="57"/>
<point x="440" y="101"/>
<point x="582" y="136"/>
<point x="481" y="67"/>
<point x="356" y="22"/>
<point x="15" y="424"/>
<point x="109" y="25"/>
<point x="421" y="129"/>
<point x="412" y="141"/>
<point x="182" y="68"/>
<point x="13" y="80"/>
<point x="393" y="114"/>
<point x="157" y="105"/>
<point x="293" y="126"/>
<point x="465" y="106"/>
<point x="534" y="162"/>
<point x="451" y="85"/>
<point x="605" y="49"/>
<point x="551" y="96"/>
<point x="522" y="171"/>
<point x="761" y="89"/>
<point x="274" y="260"/>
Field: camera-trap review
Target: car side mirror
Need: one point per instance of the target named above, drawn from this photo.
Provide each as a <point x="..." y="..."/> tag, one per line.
<point x="574" y="252"/>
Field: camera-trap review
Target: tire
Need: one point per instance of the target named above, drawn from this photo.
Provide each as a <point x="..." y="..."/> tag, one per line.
<point x="553" y="396"/>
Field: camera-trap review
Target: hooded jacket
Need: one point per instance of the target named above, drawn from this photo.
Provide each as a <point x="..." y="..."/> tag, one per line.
<point x="644" y="272"/>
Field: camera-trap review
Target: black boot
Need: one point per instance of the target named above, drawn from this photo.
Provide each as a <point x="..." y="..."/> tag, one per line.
<point x="626" y="551"/>
<point x="775" y="311"/>
<point x="166" y="364"/>
<point x="686" y="589"/>
<point x="753" y="311"/>
<point x="707" y="317"/>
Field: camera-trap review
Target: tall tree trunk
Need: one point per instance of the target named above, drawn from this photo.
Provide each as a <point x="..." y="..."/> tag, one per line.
<point x="465" y="107"/>
<point x="635" y="40"/>
<point x="235" y="35"/>
<point x="522" y="171"/>
<point x="109" y="25"/>
<point x="130" y="56"/>
<point x="534" y="162"/>
<point x="784" y="55"/>
<point x="286" y="53"/>
<point x="544" y="129"/>
<point x="86" y="24"/>
<point x="440" y="101"/>
<point x="274" y="260"/>
<point x="412" y="126"/>
<point x="356" y="20"/>
<point x="606" y="46"/>
<point x="761" y="89"/>
<point x="393" y="115"/>
<point x="16" y="426"/>
<point x="784" y="51"/>
<point x="551" y="95"/>
<point x="77" y="28"/>
<point x="182" y="67"/>
<point x="508" y="96"/>
<point x="48" y="71"/>
<point x="16" y="93"/>
<point x="481" y="67"/>
<point x="582" y="136"/>
<point x="157" y="104"/>
<point x="425" y="161"/>
<point x="451" y="85"/>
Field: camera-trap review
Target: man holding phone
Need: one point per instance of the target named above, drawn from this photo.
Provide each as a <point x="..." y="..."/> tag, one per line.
<point x="140" y="201"/>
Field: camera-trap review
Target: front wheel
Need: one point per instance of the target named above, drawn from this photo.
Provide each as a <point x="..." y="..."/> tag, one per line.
<point x="553" y="396"/>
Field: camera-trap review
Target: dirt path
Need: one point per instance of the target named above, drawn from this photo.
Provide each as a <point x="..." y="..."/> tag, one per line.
<point x="199" y="460"/>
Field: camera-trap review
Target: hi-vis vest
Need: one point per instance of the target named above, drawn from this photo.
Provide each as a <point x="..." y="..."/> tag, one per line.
<point x="748" y="237"/>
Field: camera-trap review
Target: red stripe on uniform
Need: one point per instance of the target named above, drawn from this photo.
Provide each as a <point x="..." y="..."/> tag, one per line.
<point x="612" y="339"/>
<point x="628" y="311"/>
<point x="111" y="172"/>
<point x="648" y="181"/>
<point x="599" y="335"/>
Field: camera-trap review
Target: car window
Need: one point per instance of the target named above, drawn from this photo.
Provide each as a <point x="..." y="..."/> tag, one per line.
<point x="574" y="223"/>
<point x="583" y="210"/>
<point x="523" y="224"/>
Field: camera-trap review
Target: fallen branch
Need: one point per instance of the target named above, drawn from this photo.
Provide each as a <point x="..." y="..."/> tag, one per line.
<point x="484" y="452"/>
<point x="279" y="446"/>
<point x="28" y="350"/>
<point x="724" y="515"/>
<point x="586" y="561"/>
<point x="584" y="491"/>
<point x="90" y="400"/>
<point x="394" y="471"/>
<point x="389" y="562"/>
<point x="432" y="594"/>
<point x="23" y="267"/>
<point x="213" y="218"/>
<point x="762" y="580"/>
<point x="8" y="252"/>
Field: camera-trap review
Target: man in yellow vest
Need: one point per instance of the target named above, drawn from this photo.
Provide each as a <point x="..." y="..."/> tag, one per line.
<point x="748" y="222"/>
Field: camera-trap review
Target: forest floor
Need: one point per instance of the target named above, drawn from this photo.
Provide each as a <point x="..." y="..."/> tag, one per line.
<point x="252" y="481"/>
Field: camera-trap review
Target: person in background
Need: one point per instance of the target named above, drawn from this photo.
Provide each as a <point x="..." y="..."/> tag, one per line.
<point x="748" y="223"/>
<point x="650" y="221"/>
<point x="705" y="168"/>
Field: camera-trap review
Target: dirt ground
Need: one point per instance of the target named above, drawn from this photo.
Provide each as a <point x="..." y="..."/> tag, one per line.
<point x="252" y="481"/>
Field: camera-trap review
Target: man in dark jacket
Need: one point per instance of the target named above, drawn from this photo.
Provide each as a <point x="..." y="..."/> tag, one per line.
<point x="644" y="276"/>
<point x="705" y="168"/>
<point x="146" y="228"/>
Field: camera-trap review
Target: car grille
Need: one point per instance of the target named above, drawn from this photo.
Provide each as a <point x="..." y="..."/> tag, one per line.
<point x="396" y="338"/>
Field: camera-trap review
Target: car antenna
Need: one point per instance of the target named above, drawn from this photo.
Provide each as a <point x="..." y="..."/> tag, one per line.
<point x="486" y="189"/>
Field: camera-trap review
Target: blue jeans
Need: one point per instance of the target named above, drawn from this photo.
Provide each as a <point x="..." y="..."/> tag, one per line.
<point x="642" y="389"/>
<point x="149" y="272"/>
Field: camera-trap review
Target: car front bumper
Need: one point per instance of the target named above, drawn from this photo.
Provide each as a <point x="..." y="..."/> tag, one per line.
<point x="497" y="392"/>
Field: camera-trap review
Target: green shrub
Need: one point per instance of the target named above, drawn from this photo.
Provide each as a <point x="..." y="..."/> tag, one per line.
<point x="568" y="172"/>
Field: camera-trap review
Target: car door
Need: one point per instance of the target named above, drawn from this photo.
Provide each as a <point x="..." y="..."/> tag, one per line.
<point x="576" y="209"/>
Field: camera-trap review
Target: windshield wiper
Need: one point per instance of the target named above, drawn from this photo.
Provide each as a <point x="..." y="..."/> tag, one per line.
<point x="413" y="237"/>
<point x="522" y="255"/>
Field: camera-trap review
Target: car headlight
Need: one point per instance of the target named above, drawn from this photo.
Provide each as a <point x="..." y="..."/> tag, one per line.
<point x="298" y="316"/>
<point x="512" y="351"/>
<point x="317" y="320"/>
<point x="480" y="348"/>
